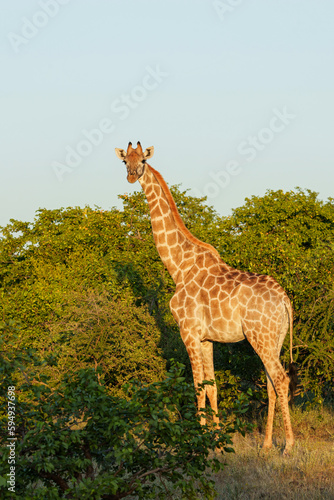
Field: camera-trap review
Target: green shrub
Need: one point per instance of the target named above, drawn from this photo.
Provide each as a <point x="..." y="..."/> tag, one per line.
<point x="78" y="441"/>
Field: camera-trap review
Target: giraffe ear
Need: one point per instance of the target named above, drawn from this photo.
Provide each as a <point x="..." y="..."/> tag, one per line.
<point x="120" y="153"/>
<point x="148" y="153"/>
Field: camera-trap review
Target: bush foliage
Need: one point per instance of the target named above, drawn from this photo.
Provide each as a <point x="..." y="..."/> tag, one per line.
<point x="78" y="441"/>
<point x="87" y="286"/>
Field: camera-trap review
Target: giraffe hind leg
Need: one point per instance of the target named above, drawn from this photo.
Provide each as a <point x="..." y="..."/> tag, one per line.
<point x="272" y="396"/>
<point x="279" y="382"/>
<point x="271" y="412"/>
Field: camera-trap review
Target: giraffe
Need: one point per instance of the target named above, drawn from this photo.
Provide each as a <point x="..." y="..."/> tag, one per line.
<point x="213" y="301"/>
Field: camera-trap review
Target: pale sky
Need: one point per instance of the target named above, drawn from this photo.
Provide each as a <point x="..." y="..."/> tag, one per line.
<point x="237" y="97"/>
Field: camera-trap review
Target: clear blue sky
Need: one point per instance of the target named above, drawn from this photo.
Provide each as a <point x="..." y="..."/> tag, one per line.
<point x="237" y="97"/>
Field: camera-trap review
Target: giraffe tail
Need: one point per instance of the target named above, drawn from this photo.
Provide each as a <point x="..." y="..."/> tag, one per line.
<point x="293" y="381"/>
<point x="292" y="371"/>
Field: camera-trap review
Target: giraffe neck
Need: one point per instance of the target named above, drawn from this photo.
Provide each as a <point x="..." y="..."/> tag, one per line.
<point x="177" y="247"/>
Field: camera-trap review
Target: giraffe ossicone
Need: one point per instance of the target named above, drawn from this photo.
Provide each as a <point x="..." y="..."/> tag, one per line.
<point x="213" y="301"/>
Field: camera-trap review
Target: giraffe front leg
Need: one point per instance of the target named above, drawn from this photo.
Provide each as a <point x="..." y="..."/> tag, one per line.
<point x="194" y="351"/>
<point x="209" y="374"/>
<point x="190" y="334"/>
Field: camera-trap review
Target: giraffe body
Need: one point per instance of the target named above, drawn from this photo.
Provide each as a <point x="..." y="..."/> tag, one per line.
<point x="213" y="301"/>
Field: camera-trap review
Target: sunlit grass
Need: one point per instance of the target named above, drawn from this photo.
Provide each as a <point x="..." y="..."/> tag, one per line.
<point x="307" y="473"/>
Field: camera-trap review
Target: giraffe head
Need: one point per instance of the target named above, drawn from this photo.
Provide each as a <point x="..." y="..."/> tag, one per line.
<point x="134" y="160"/>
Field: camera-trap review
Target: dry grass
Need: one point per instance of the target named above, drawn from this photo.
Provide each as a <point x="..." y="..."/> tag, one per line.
<point x="307" y="473"/>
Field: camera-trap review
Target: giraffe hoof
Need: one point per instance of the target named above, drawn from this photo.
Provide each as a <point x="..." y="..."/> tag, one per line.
<point x="287" y="451"/>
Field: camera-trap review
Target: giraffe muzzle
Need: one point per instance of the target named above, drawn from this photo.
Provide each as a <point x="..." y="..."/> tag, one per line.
<point x="132" y="177"/>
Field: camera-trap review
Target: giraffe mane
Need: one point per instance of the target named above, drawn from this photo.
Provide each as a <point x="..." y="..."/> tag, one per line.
<point x="177" y="218"/>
